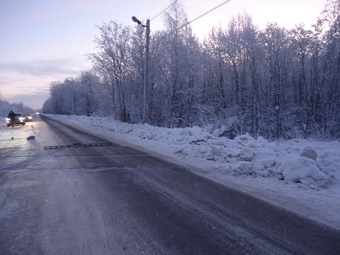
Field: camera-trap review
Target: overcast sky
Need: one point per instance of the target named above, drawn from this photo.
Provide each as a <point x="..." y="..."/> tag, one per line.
<point x="47" y="40"/>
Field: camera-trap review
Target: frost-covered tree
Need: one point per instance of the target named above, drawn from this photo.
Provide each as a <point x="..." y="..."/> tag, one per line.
<point x="275" y="79"/>
<point x="330" y="67"/>
<point x="88" y="82"/>
<point x="112" y="63"/>
<point x="177" y="76"/>
<point x="274" y="82"/>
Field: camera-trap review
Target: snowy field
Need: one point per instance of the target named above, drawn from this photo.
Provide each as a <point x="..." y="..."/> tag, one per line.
<point x="299" y="175"/>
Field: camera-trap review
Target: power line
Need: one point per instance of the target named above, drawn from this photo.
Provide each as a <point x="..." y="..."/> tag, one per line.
<point x="165" y="9"/>
<point x="218" y="6"/>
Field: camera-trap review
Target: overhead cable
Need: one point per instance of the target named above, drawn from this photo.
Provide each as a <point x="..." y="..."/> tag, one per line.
<point x="218" y="6"/>
<point x="165" y="9"/>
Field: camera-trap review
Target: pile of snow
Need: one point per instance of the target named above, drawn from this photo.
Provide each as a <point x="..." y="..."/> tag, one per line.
<point x="301" y="175"/>
<point x="303" y="170"/>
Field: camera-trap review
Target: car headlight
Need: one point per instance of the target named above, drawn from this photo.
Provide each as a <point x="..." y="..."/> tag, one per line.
<point x="8" y="119"/>
<point x="21" y="119"/>
<point x="29" y="117"/>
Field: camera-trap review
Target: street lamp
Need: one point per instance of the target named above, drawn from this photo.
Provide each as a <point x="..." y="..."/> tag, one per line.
<point x="146" y="68"/>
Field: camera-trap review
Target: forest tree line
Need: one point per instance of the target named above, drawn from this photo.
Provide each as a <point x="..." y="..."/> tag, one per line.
<point x="274" y="82"/>
<point x="6" y="107"/>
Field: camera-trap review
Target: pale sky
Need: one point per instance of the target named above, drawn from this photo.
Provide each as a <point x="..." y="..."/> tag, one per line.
<point x="42" y="41"/>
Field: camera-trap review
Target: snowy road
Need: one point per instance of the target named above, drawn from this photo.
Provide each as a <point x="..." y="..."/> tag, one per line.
<point x="117" y="200"/>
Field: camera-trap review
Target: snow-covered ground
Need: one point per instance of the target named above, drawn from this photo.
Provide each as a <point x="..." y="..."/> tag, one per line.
<point x="299" y="175"/>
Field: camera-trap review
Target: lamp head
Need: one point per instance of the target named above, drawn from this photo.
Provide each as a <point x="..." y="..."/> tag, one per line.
<point x="136" y="20"/>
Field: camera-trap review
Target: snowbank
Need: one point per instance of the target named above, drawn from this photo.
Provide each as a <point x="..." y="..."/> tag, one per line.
<point x="299" y="175"/>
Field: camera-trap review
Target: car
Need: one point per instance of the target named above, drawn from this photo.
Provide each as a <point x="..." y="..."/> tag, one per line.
<point x="19" y="119"/>
<point x="28" y="118"/>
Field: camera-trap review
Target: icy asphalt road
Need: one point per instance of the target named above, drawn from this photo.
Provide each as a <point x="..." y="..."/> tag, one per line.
<point x="117" y="200"/>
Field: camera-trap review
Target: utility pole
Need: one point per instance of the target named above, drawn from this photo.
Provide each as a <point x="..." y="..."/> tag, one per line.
<point x="146" y="68"/>
<point x="146" y="74"/>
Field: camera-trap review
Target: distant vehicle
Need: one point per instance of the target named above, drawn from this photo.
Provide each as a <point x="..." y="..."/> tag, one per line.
<point x="28" y="118"/>
<point x="19" y="119"/>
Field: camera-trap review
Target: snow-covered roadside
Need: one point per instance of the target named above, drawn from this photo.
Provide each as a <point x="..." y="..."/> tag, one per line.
<point x="299" y="175"/>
